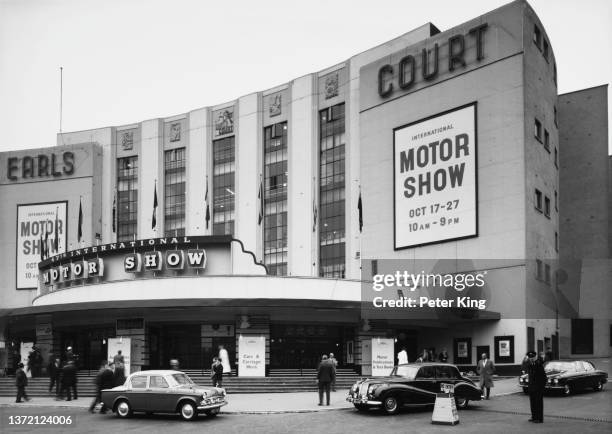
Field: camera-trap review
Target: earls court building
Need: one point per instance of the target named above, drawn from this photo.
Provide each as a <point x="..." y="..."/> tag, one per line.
<point x="274" y="212"/>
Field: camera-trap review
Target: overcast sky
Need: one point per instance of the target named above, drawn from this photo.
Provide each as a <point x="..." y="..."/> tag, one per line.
<point x="126" y="60"/>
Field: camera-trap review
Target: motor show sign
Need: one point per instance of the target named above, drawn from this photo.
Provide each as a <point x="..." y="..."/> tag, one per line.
<point x="382" y="357"/>
<point x="434" y="179"/>
<point x="252" y="360"/>
<point x="38" y="225"/>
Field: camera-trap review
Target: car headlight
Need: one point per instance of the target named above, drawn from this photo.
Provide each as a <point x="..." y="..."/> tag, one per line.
<point x="372" y="388"/>
<point x="556" y="381"/>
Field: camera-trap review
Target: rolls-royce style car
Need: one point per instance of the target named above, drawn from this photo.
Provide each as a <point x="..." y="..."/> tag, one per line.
<point x="413" y="385"/>
<point x="163" y="392"/>
<point x="568" y="376"/>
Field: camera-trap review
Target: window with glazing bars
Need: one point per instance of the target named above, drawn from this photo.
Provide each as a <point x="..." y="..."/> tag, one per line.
<point x="332" y="141"/>
<point x="174" y="192"/>
<point x="224" y="167"/>
<point x="275" y="198"/>
<point x="127" y="198"/>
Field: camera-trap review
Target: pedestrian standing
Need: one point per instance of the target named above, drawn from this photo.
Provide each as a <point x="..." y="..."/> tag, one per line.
<point x="224" y="358"/>
<point x="174" y="364"/>
<point x="119" y="361"/>
<point x="485" y="369"/>
<point x="443" y="356"/>
<point x="334" y="362"/>
<point x="325" y="377"/>
<point x="21" y="381"/>
<point x="424" y="357"/>
<point x="216" y="372"/>
<point x="104" y="380"/>
<point x="537" y="382"/>
<point x="53" y="372"/>
<point x="69" y="381"/>
<point x="402" y="357"/>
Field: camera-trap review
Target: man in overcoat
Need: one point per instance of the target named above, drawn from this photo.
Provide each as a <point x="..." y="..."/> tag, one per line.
<point x="485" y="369"/>
<point x="537" y="382"/>
<point x="326" y="375"/>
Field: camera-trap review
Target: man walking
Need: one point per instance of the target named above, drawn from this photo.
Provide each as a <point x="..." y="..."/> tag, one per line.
<point x="104" y="380"/>
<point x="217" y="372"/>
<point x="53" y="372"/>
<point x="485" y="369"/>
<point x="69" y="379"/>
<point x="326" y="375"/>
<point x="537" y="381"/>
<point x="21" y="381"/>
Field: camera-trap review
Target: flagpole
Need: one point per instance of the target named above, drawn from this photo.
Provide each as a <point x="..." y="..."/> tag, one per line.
<point x="61" y="97"/>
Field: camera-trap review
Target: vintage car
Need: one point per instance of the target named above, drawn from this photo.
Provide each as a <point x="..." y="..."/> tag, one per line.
<point x="413" y="385"/>
<point x="163" y="392"/>
<point x="568" y="376"/>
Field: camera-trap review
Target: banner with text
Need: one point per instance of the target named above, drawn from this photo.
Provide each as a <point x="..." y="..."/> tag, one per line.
<point x="37" y="226"/>
<point x="382" y="357"/>
<point x="435" y="191"/>
<point x="252" y="352"/>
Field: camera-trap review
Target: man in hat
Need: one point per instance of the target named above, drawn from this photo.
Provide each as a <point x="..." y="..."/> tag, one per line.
<point x="21" y="381"/>
<point x="537" y="381"/>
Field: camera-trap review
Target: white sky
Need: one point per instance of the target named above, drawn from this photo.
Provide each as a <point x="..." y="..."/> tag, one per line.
<point x="126" y="60"/>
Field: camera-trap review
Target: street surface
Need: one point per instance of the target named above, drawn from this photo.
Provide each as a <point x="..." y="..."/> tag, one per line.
<point x="587" y="412"/>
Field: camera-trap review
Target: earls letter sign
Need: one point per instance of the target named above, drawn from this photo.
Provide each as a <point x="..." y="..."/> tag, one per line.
<point x="434" y="179"/>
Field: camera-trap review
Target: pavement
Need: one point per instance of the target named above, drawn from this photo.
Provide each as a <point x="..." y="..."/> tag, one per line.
<point x="256" y="403"/>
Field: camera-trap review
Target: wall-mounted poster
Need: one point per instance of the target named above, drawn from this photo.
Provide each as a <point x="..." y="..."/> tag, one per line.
<point x="123" y="344"/>
<point x="434" y="179"/>
<point x="382" y="356"/>
<point x="504" y="349"/>
<point x="462" y="349"/>
<point x="39" y="226"/>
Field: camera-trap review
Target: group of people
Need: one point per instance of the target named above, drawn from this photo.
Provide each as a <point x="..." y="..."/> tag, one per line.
<point x="326" y="376"/>
<point x="427" y="355"/>
<point x="220" y="365"/>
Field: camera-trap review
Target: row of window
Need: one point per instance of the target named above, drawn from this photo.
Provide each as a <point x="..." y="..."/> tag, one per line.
<point x="546" y="208"/>
<point x="540" y="41"/>
<point x="545" y="139"/>
<point x="543" y="272"/>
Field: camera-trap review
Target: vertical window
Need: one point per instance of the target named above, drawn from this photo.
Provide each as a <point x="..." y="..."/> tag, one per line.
<point x="538" y="200"/>
<point x="556" y="201"/>
<point x="547" y="274"/>
<point x="546" y="140"/>
<point x="555" y="116"/>
<point x="556" y="158"/>
<point x="545" y="49"/>
<point x="539" y="269"/>
<point x="275" y="198"/>
<point x="582" y="336"/>
<point x="174" y="192"/>
<point x="224" y="167"/>
<point x="537" y="37"/>
<point x="127" y="198"/>
<point x="556" y="241"/>
<point x="332" y="192"/>
<point x="538" y="130"/>
<point x="547" y="206"/>
<point x="555" y="73"/>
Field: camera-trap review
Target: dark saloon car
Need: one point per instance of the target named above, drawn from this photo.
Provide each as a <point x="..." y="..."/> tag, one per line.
<point x="413" y="385"/>
<point x="163" y="392"/>
<point x="568" y="376"/>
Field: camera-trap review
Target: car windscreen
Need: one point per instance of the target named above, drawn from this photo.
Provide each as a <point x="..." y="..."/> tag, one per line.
<point x="182" y="379"/>
<point x="405" y="371"/>
<point x="559" y="366"/>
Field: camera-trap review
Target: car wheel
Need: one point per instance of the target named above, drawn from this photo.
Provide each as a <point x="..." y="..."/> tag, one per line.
<point x="567" y="390"/>
<point x="123" y="409"/>
<point x="212" y="413"/>
<point x="391" y="405"/>
<point x="461" y="402"/>
<point x="188" y="411"/>
<point x="599" y="386"/>
<point x="361" y="407"/>
<point x="525" y="390"/>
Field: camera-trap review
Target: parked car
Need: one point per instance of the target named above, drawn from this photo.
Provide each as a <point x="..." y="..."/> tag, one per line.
<point x="568" y="376"/>
<point x="163" y="392"/>
<point x="413" y="385"/>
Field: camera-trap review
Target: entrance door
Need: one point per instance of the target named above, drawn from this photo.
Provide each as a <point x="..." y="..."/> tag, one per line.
<point x="182" y="342"/>
<point x="301" y="346"/>
<point x="483" y="349"/>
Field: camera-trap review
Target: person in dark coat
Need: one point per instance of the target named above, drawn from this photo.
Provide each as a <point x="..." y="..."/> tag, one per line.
<point x="443" y="356"/>
<point x="21" y="381"/>
<point x="119" y="361"/>
<point x="53" y="370"/>
<point x="217" y="372"/>
<point x="69" y="381"/>
<point x="104" y="380"/>
<point x="537" y="381"/>
<point x="326" y="375"/>
<point x="485" y="370"/>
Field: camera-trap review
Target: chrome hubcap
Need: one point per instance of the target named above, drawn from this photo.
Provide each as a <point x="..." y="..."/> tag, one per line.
<point x="566" y="389"/>
<point x="187" y="411"/>
<point x="123" y="409"/>
<point x="390" y="404"/>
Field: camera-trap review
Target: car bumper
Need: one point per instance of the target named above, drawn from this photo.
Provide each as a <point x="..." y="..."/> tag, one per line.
<point x="212" y="406"/>
<point x="362" y="401"/>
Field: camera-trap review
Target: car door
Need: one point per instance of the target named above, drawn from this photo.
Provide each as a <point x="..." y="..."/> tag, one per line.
<point x="138" y="393"/>
<point x="579" y="379"/>
<point x="160" y="396"/>
<point x="426" y="380"/>
<point x="590" y="378"/>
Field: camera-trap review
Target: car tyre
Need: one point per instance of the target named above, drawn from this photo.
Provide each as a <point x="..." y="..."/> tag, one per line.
<point x="599" y="386"/>
<point x="461" y="402"/>
<point x="391" y="404"/>
<point x="361" y="407"/>
<point x="212" y="413"/>
<point x="188" y="410"/>
<point x="123" y="409"/>
<point x="525" y="390"/>
<point x="567" y="390"/>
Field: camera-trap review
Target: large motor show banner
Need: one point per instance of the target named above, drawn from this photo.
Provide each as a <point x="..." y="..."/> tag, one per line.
<point x="434" y="175"/>
<point x="38" y="225"/>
